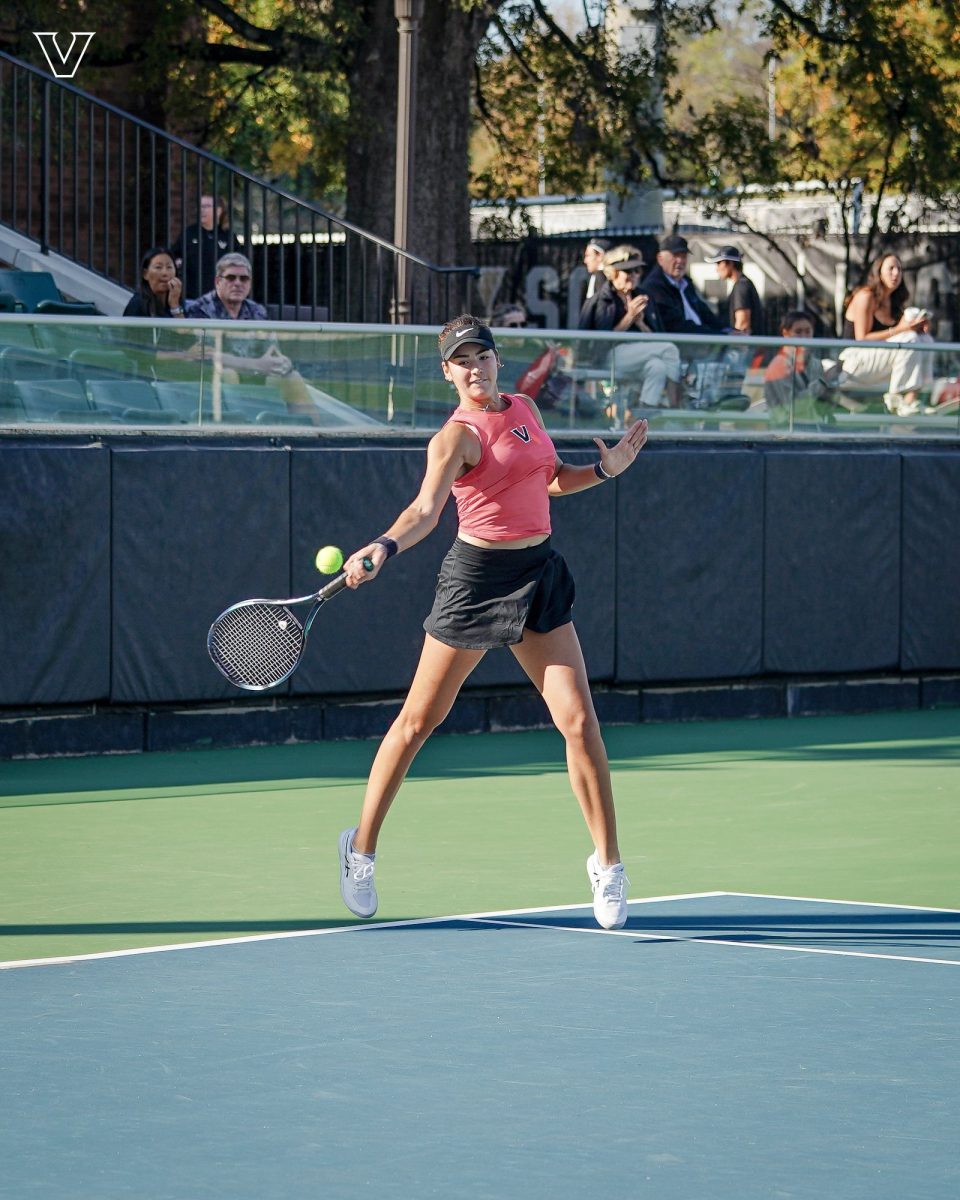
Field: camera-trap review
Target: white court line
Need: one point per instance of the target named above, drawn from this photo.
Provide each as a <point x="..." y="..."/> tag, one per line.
<point x="857" y="903"/>
<point x="497" y="918"/>
<point x="210" y="943"/>
<point x="712" y="941"/>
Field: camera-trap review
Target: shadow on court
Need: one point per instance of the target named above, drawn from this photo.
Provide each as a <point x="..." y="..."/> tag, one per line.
<point x="867" y="930"/>
<point x="926" y="737"/>
<point x="213" y="928"/>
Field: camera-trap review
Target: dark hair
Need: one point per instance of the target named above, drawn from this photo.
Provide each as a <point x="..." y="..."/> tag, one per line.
<point x="223" y="221"/>
<point x="151" y="304"/>
<point x="502" y="311"/>
<point x="898" y="297"/>
<point x="795" y="316"/>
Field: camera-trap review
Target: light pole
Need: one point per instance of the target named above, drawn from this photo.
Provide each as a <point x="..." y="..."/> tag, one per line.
<point x="409" y="14"/>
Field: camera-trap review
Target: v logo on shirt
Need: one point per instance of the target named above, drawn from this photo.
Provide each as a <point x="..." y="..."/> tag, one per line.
<point x="521" y="432"/>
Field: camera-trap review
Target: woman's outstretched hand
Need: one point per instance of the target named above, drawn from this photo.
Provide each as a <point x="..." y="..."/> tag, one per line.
<point x="616" y="459"/>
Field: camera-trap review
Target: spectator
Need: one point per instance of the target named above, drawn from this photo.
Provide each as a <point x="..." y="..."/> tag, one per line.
<point x="160" y="290"/>
<point x="681" y="308"/>
<point x="198" y="248"/>
<point x="620" y="307"/>
<point x="593" y="260"/>
<point x="509" y="316"/>
<point x="245" y="354"/>
<point x="876" y="313"/>
<point x="795" y="379"/>
<point x="159" y="297"/>
<point x="744" y="307"/>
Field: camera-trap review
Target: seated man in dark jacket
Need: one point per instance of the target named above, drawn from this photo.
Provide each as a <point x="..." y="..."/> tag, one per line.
<point x="682" y="309"/>
<point x="621" y="307"/>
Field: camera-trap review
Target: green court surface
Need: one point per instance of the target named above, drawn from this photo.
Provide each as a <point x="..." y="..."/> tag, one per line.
<point x="108" y="853"/>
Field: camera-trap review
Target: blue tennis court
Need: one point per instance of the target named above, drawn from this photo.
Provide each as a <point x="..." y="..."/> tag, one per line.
<point x="721" y="1046"/>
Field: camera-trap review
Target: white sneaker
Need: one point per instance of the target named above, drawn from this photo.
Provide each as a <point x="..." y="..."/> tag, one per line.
<point x="609" y="893"/>
<point x="356" y="878"/>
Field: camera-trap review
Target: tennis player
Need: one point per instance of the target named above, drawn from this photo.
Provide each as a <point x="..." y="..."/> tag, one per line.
<point x="501" y="584"/>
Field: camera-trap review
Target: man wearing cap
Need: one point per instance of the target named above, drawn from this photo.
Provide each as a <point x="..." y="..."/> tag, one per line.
<point x="593" y="260"/>
<point x="746" y="311"/>
<point x="620" y="306"/>
<point x="682" y="309"/>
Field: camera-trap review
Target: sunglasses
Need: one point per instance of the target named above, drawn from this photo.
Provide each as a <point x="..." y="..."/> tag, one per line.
<point x="236" y="278"/>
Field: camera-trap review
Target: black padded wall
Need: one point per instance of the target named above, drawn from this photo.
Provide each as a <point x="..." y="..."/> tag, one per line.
<point x="931" y="561"/>
<point x="370" y="641"/>
<point x="703" y="561"/>
<point x="194" y="530"/>
<point x="55" y="577"/>
<point x="689" y="565"/>
<point x="832" y="583"/>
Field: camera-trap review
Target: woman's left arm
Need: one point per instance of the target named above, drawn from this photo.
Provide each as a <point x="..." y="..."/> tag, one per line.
<point x="613" y="460"/>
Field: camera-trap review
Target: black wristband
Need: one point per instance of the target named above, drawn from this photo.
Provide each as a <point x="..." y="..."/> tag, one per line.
<point x="387" y="543"/>
<point x="600" y="472"/>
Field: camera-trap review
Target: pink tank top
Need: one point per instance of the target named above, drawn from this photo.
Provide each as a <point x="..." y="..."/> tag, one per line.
<point x="505" y="495"/>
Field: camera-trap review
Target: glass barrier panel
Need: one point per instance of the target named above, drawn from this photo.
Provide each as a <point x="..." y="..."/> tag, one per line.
<point x="379" y="380"/>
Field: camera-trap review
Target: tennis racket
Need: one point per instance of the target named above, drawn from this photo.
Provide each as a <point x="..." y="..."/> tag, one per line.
<point x="257" y="644"/>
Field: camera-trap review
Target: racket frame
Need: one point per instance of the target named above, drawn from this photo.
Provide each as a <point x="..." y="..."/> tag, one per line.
<point x="333" y="588"/>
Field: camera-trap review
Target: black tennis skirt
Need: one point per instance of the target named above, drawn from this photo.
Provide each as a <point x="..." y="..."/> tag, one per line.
<point x="487" y="598"/>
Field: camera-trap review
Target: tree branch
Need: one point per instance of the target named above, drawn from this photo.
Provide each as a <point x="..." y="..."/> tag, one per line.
<point x="808" y="26"/>
<point x="516" y="51"/>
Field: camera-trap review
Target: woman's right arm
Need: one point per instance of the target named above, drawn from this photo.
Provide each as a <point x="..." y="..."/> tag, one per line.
<point x="448" y="452"/>
<point x="861" y="311"/>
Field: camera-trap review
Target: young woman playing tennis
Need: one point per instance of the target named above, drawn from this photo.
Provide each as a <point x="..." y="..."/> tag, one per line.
<point x="501" y="584"/>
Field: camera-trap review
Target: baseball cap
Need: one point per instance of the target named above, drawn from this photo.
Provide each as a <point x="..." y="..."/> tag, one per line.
<point x="912" y="314"/>
<point x="675" y="244"/>
<point x="467" y="333"/>
<point x="726" y="254"/>
<point x="623" y="258"/>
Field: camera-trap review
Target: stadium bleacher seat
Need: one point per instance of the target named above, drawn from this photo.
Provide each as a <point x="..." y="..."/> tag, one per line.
<point x="249" y="402"/>
<point x="95" y="362"/>
<point x="54" y="400"/>
<point x="22" y="363"/>
<point x="37" y="291"/>
<point x="182" y="398"/>
<point x="17" y="331"/>
<point x="117" y="395"/>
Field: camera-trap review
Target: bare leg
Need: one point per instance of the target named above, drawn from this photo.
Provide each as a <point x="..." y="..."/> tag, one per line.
<point x="554" y="663"/>
<point x="440" y="675"/>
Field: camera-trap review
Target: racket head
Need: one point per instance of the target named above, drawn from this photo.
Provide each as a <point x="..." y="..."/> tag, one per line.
<point x="257" y="644"/>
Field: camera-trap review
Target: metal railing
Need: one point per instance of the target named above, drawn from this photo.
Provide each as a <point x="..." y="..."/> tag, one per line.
<point x="90" y="182"/>
<point x="133" y="375"/>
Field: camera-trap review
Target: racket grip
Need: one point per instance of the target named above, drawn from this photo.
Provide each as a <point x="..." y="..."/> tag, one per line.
<point x="338" y="584"/>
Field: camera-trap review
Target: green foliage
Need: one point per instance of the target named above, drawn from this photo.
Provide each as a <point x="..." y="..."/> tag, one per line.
<point x="866" y="91"/>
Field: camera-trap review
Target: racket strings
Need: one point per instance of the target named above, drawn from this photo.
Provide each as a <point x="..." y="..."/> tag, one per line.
<point x="256" y="645"/>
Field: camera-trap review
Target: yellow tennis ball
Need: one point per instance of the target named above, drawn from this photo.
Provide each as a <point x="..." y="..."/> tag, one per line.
<point x="329" y="559"/>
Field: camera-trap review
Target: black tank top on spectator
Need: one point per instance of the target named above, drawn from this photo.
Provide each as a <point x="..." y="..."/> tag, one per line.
<point x="876" y="327"/>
